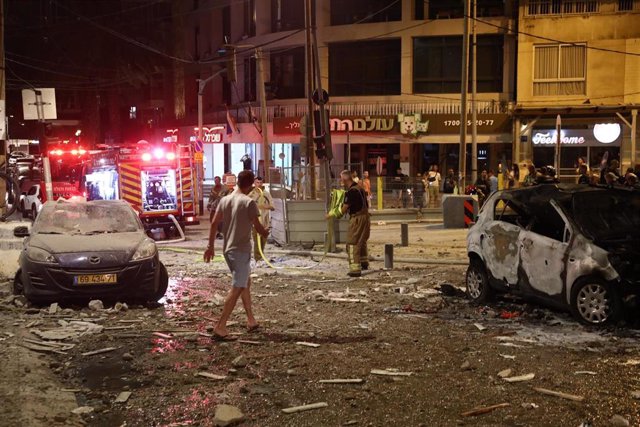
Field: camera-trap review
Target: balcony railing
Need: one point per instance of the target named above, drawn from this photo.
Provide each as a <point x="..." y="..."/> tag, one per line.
<point x="628" y="5"/>
<point x="562" y="7"/>
<point x="242" y="113"/>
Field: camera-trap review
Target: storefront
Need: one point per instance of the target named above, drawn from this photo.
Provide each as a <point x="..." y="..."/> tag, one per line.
<point x="593" y="143"/>
<point x="412" y="142"/>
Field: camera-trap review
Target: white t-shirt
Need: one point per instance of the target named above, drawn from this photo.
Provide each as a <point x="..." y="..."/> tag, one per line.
<point x="432" y="182"/>
<point x="238" y="212"/>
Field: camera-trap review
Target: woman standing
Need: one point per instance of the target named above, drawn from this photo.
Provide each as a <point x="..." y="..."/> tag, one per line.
<point x="433" y="181"/>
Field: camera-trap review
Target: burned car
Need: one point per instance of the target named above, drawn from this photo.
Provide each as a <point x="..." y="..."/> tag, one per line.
<point x="83" y="250"/>
<point x="575" y="247"/>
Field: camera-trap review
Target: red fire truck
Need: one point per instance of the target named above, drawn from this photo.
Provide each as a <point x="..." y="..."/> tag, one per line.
<point x="157" y="180"/>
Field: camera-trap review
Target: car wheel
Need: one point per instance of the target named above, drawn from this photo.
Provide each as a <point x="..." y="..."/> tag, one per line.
<point x="18" y="285"/>
<point x="162" y="285"/>
<point x="594" y="302"/>
<point x="478" y="288"/>
<point x="34" y="212"/>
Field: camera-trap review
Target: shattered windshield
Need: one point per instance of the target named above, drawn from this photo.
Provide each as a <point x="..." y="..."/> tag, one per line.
<point x="608" y="215"/>
<point x="85" y="219"/>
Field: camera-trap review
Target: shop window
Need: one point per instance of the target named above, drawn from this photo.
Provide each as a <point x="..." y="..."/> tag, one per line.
<point x="437" y="62"/>
<point x="559" y="69"/>
<point x="288" y="73"/>
<point x="365" y="68"/>
<point x="453" y="9"/>
<point x="287" y="15"/>
<point x="345" y="12"/>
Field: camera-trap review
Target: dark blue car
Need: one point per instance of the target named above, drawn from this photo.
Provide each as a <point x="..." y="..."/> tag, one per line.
<point x="84" y="250"/>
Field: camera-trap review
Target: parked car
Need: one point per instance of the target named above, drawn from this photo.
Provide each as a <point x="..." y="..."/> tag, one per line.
<point x="576" y="247"/>
<point x="32" y="202"/>
<point x="85" y="250"/>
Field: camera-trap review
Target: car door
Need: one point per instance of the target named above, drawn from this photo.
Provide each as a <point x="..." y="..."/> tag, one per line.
<point x="500" y="240"/>
<point x="543" y="251"/>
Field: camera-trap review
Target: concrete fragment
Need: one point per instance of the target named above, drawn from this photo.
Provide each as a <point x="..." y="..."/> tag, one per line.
<point x="530" y="406"/>
<point x="635" y="394"/>
<point x="239" y="362"/>
<point x="559" y="394"/>
<point x="227" y="415"/>
<point x="120" y="306"/>
<point x="102" y="350"/>
<point x="127" y="356"/>
<point x="308" y="344"/>
<point x="342" y="381"/>
<point x="82" y="410"/>
<point x="123" y="397"/>
<point x="53" y="308"/>
<point x="390" y="373"/>
<point x="95" y="305"/>
<point x="480" y="327"/>
<point x="619" y="421"/>
<point x="211" y="376"/>
<point x="466" y="366"/>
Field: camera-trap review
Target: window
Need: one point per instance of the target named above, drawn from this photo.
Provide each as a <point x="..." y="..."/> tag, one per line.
<point x="452" y="9"/>
<point x="508" y="211"/>
<point x="33" y="190"/>
<point x="288" y="73"/>
<point x="559" y="70"/>
<point x="250" y="18"/>
<point x="562" y="7"/>
<point x="437" y="62"/>
<point x="287" y="15"/>
<point x="345" y="12"/>
<point x="628" y="5"/>
<point x="250" y="79"/>
<point x="133" y="113"/>
<point x="364" y="68"/>
<point x="548" y="222"/>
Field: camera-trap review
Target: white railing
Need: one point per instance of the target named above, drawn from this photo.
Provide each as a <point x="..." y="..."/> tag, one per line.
<point x="562" y="7"/>
<point x="242" y="113"/>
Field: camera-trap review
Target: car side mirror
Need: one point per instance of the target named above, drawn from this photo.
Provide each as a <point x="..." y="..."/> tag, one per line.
<point x="21" y="231"/>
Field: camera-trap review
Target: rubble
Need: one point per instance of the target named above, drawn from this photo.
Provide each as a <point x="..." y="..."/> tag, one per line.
<point x="302" y="408"/>
<point x="619" y="421"/>
<point x="95" y="305"/>
<point x="101" y="351"/>
<point x="484" y="410"/>
<point x="227" y="415"/>
<point x="68" y="330"/>
<point x="308" y="344"/>
<point x="391" y="373"/>
<point x="123" y="397"/>
<point x="54" y="308"/>
<point x="504" y="373"/>
<point x="521" y="378"/>
<point x="211" y="376"/>
<point x="82" y="410"/>
<point x="239" y="362"/>
<point x="559" y="394"/>
<point x="342" y="381"/>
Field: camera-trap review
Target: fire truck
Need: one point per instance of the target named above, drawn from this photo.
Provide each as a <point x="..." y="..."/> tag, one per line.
<point x="157" y="180"/>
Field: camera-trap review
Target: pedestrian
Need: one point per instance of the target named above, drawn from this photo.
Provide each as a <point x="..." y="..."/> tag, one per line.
<point x="355" y="205"/>
<point x="400" y="189"/>
<point x="433" y="180"/>
<point x="611" y="179"/>
<point x="264" y="201"/>
<point x="493" y="182"/>
<point x="581" y="162"/>
<point x="482" y="187"/>
<point x="366" y="186"/>
<point x="631" y="180"/>
<point x="418" y="192"/>
<point x="239" y="214"/>
<point x="449" y="185"/>
<point x="354" y="176"/>
<point x="214" y="195"/>
<point x="584" y="176"/>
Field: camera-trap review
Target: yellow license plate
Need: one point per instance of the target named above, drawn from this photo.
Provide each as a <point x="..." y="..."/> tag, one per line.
<point x="96" y="279"/>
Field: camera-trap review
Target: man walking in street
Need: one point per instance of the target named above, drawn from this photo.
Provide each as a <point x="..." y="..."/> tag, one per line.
<point x="355" y="204"/>
<point x="239" y="214"/>
<point x="265" y="205"/>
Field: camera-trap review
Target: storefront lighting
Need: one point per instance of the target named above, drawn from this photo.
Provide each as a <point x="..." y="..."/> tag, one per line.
<point x="171" y="156"/>
<point x="146" y="157"/>
<point x="606" y="133"/>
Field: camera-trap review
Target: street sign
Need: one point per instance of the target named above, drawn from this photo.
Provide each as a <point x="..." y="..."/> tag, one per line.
<point x="198" y="146"/>
<point x="320" y="99"/>
<point x="39" y="104"/>
<point x="198" y="156"/>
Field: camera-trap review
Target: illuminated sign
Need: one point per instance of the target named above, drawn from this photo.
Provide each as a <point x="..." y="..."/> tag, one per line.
<point x="550" y="138"/>
<point x="606" y="132"/>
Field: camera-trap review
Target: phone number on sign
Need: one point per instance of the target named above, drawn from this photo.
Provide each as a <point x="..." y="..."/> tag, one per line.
<point x="487" y="122"/>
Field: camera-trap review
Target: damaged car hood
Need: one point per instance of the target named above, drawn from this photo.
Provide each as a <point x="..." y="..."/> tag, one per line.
<point x="69" y="243"/>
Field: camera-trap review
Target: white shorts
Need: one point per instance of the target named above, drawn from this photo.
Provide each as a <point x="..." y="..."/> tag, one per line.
<point x="240" y="265"/>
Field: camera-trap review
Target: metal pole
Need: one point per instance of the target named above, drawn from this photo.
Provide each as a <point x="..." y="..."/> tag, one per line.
<point x="474" y="94"/>
<point x="556" y="163"/>
<point x="348" y="148"/>
<point x="311" y="160"/>
<point x="462" y="160"/>
<point x="266" y="154"/>
<point x="634" y="126"/>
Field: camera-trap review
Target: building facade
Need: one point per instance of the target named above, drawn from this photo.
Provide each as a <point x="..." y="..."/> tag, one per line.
<point x="579" y="60"/>
<point x="391" y="67"/>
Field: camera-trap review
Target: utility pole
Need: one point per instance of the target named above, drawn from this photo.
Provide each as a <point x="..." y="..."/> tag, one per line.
<point x="3" y="113"/>
<point x="311" y="161"/>
<point x="556" y="163"/>
<point x="266" y="152"/>
<point x="474" y="94"/>
<point x="462" y="160"/>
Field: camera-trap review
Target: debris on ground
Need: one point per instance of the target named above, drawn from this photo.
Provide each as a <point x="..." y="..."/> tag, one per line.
<point x="123" y="397"/>
<point x="559" y="394"/>
<point x="303" y="408"/>
<point x="391" y="372"/>
<point x="484" y="410"/>
<point x="227" y="415"/>
<point x="342" y="381"/>
<point x="95" y="305"/>
<point x="520" y="378"/>
<point x="619" y="421"/>
<point x="82" y="410"/>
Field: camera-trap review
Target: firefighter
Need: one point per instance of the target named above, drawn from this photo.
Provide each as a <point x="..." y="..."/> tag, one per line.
<point x="355" y="204"/>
